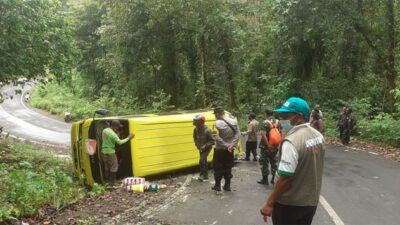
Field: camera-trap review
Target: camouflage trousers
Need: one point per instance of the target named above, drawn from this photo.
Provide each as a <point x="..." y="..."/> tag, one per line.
<point x="268" y="158"/>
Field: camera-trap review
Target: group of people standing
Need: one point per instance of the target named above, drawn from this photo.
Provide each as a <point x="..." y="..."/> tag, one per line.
<point x="300" y="150"/>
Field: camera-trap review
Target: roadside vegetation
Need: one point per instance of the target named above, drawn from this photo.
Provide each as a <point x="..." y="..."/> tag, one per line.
<point x="31" y="177"/>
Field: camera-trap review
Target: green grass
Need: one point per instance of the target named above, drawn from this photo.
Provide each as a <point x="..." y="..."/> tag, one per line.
<point x="32" y="177"/>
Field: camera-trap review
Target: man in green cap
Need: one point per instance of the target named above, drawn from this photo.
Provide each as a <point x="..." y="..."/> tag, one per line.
<point x="110" y="138"/>
<point x="295" y="196"/>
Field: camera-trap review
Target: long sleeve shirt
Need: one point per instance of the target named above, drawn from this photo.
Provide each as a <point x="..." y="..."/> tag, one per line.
<point x="252" y="130"/>
<point x="224" y="135"/>
<point x="110" y="138"/>
<point x="203" y="137"/>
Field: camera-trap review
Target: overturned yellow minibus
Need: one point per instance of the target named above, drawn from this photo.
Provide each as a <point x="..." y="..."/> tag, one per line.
<point x="163" y="143"/>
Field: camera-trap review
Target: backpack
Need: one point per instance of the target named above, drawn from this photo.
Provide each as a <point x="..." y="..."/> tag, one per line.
<point x="274" y="134"/>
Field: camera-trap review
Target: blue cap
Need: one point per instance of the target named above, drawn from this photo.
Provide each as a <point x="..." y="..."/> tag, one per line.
<point x="294" y="105"/>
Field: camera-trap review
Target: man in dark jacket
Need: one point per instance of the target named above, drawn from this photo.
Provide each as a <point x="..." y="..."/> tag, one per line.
<point x="348" y="124"/>
<point x="204" y="140"/>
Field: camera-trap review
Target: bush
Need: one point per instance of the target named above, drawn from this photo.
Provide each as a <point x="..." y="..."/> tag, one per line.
<point x="381" y="129"/>
<point x="30" y="178"/>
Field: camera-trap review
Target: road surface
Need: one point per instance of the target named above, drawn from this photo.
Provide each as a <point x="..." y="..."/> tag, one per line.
<point x="20" y="121"/>
<point x="358" y="188"/>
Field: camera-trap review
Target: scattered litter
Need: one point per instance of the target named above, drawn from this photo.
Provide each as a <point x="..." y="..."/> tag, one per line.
<point x="139" y="184"/>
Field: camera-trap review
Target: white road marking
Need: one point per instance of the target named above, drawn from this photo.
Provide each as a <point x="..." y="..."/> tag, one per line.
<point x="215" y="222"/>
<point x="336" y="219"/>
<point x="373" y="153"/>
<point x="230" y="212"/>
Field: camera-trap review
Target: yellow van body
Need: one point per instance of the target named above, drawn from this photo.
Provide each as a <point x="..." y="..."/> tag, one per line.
<point x="162" y="143"/>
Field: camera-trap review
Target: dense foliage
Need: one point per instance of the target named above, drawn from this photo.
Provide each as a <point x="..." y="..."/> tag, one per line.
<point x="35" y="39"/>
<point x="30" y="178"/>
<point x="155" y="55"/>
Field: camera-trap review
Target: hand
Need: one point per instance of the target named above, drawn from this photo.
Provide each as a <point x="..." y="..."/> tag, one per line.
<point x="266" y="210"/>
<point x="203" y="148"/>
<point x="131" y="136"/>
<point x="230" y="148"/>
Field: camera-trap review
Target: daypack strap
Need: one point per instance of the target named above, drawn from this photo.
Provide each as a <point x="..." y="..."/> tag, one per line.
<point x="230" y="125"/>
<point x="271" y="125"/>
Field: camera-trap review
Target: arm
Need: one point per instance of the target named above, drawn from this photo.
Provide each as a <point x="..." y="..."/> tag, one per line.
<point x="321" y="129"/>
<point x="248" y="130"/>
<point x="281" y="186"/>
<point x="265" y="139"/>
<point x="237" y="135"/>
<point x="194" y="138"/>
<point x="210" y="139"/>
<point x="118" y="141"/>
<point x="218" y="139"/>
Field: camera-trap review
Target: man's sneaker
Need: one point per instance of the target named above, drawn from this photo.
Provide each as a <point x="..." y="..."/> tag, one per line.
<point x="255" y="160"/>
<point x="246" y="159"/>
<point x="205" y="178"/>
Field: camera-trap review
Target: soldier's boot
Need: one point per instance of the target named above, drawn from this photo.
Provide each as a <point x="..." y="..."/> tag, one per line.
<point x="273" y="179"/>
<point x="217" y="186"/>
<point x="227" y="185"/>
<point x="264" y="180"/>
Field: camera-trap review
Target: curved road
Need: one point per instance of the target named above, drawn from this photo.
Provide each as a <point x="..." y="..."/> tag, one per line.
<point x="358" y="187"/>
<point x="20" y="121"/>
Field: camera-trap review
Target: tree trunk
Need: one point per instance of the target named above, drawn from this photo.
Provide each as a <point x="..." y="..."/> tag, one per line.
<point x="204" y="70"/>
<point x="391" y="72"/>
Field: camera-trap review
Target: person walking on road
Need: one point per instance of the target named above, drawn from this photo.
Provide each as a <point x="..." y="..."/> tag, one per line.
<point x="295" y="196"/>
<point x="348" y="125"/>
<point x="110" y="138"/>
<point x="226" y="134"/>
<point x="268" y="152"/>
<point x="204" y="140"/>
<point x="252" y="131"/>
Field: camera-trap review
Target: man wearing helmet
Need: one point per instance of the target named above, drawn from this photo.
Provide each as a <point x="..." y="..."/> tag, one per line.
<point x="204" y="140"/>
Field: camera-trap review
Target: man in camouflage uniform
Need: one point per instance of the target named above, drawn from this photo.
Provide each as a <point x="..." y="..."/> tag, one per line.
<point x="268" y="153"/>
<point x="204" y="140"/>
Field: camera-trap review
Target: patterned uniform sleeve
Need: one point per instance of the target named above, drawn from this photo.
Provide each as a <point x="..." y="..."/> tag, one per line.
<point x="289" y="159"/>
<point x="237" y="135"/>
<point x="195" y="139"/>
<point x="210" y="138"/>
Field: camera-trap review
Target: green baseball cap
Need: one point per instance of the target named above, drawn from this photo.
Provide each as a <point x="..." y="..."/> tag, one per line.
<point x="294" y="105"/>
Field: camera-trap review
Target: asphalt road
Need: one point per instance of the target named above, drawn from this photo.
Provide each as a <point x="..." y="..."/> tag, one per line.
<point x="360" y="188"/>
<point x="20" y="121"/>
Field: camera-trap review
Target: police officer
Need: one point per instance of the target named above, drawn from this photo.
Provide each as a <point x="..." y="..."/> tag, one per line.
<point x="252" y="131"/>
<point x="204" y="140"/>
<point x="268" y="152"/>
<point x="226" y="133"/>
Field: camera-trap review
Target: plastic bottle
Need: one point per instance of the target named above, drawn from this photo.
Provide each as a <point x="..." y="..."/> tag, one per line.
<point x="138" y="188"/>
